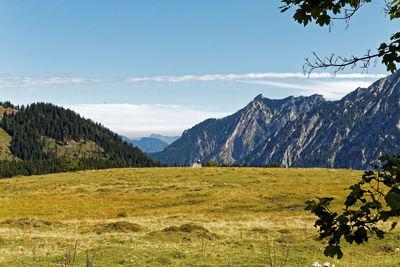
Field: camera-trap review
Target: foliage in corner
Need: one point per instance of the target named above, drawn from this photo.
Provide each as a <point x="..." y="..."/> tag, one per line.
<point x="374" y="199"/>
<point x="324" y="12"/>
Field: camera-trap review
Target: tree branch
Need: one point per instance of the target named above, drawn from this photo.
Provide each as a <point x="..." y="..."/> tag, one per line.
<point x="348" y="13"/>
<point x="339" y="63"/>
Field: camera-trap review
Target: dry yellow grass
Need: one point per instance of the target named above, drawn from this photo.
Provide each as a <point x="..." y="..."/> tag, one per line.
<point x="251" y="210"/>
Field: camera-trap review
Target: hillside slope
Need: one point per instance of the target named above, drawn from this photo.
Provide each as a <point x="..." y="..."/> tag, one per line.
<point x="6" y="108"/>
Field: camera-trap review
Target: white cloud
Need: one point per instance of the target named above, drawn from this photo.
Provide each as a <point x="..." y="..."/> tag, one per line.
<point x="279" y="84"/>
<point x="337" y="89"/>
<point x="54" y="80"/>
<point x="28" y="81"/>
<point x="251" y="76"/>
<point x="142" y="120"/>
<point x="330" y="89"/>
<point x="330" y="85"/>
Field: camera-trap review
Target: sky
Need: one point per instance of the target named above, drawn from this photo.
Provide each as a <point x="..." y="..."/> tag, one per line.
<point x="146" y="66"/>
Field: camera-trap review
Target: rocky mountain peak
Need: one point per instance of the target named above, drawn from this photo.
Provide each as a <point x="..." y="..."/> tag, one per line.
<point x="258" y="97"/>
<point x="317" y="97"/>
<point x="229" y="139"/>
<point x="277" y="105"/>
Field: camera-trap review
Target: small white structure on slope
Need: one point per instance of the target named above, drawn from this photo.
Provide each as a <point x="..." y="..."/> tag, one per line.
<point x="197" y="164"/>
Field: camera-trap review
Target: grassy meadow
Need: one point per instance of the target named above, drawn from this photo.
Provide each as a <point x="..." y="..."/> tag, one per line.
<point x="175" y="216"/>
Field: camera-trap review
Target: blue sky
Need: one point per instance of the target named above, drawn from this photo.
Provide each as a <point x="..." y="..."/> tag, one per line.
<point x="162" y="66"/>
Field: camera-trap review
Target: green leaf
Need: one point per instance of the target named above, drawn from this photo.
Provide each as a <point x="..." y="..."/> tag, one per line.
<point x="383" y="46"/>
<point x="343" y="219"/>
<point x="360" y="235"/>
<point x="385" y="215"/>
<point x="284" y="8"/>
<point x="332" y="251"/>
<point x="379" y="233"/>
<point x="349" y="238"/>
<point x="393" y="198"/>
<point x="393" y="226"/>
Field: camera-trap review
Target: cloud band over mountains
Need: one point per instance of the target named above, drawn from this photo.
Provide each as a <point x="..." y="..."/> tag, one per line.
<point x="252" y="76"/>
<point x="132" y="118"/>
<point x="32" y="81"/>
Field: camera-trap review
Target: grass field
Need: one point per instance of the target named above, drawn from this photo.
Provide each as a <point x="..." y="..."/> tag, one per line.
<point x="175" y="216"/>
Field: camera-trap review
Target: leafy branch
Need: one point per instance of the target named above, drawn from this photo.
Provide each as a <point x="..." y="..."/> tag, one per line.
<point x="374" y="199"/>
<point x="324" y="12"/>
<point x="390" y="54"/>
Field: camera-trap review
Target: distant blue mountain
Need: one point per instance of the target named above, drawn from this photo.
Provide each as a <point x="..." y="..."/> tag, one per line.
<point x="167" y="139"/>
<point x="154" y="143"/>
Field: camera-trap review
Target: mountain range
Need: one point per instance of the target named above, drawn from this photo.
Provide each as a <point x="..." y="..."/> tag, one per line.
<point x="299" y="131"/>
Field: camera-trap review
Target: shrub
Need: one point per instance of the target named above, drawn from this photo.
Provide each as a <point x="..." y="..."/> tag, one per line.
<point x="122" y="214"/>
<point x="210" y="164"/>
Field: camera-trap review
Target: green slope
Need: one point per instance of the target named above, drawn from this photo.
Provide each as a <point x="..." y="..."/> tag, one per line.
<point x="5" y="140"/>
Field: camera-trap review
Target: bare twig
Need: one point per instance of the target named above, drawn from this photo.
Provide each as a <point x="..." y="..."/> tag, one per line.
<point x="339" y="63"/>
<point x="285" y="258"/>
<point x="89" y="260"/>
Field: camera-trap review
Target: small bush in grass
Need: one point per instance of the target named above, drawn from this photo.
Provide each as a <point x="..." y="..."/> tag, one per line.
<point x="260" y="230"/>
<point x="171" y="229"/>
<point x="23" y="222"/>
<point x="118" y="227"/>
<point x="192" y="229"/>
<point x="210" y="164"/>
<point x="178" y="255"/>
<point x="284" y="231"/>
<point x="123" y="227"/>
<point x="122" y="214"/>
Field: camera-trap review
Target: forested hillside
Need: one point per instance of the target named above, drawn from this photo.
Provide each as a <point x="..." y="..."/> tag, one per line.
<point x="46" y="138"/>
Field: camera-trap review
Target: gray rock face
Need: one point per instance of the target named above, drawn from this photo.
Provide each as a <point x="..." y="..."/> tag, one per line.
<point x="350" y="133"/>
<point x="300" y="131"/>
<point x="232" y="138"/>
